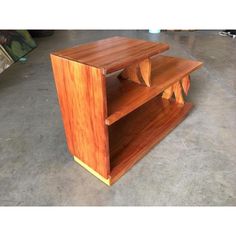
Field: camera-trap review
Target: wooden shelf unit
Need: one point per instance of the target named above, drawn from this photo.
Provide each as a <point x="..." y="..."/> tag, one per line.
<point x="110" y="121"/>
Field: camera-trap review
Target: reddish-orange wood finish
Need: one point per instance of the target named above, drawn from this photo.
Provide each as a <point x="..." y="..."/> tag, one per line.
<point x="114" y="53"/>
<point x="82" y="97"/>
<point x="139" y="73"/>
<point x="167" y="94"/>
<point x="111" y="123"/>
<point x="134" y="135"/>
<point x="124" y="96"/>
<point x="130" y="73"/>
<point x="186" y="84"/>
<point x="145" y="68"/>
<point x="178" y="93"/>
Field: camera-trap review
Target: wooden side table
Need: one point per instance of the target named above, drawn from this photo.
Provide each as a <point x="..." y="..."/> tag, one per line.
<point x="117" y="100"/>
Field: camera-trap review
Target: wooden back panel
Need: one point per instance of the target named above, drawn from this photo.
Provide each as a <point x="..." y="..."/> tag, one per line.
<point x="82" y="97"/>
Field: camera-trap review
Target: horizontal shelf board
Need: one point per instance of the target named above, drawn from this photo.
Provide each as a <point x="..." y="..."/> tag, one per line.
<point x="113" y="53"/>
<point x="134" y="135"/>
<point x="124" y="96"/>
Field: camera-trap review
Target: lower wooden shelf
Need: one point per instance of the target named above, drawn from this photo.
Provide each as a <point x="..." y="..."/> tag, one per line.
<point x="134" y="135"/>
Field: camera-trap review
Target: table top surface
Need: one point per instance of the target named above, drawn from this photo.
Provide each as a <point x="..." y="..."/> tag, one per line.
<point x="112" y="54"/>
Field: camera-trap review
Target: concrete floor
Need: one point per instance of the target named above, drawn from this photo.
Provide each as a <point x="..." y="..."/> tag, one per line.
<point x="194" y="165"/>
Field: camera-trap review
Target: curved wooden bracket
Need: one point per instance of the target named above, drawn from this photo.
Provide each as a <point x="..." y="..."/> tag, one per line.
<point x="167" y="94"/>
<point x="178" y="93"/>
<point x="186" y="84"/>
<point x="176" y="89"/>
<point x="145" y="68"/>
<point x="131" y="72"/>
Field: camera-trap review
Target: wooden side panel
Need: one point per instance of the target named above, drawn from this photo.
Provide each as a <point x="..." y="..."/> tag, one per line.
<point x="82" y="98"/>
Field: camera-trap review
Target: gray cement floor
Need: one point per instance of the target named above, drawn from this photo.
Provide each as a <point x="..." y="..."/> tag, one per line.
<point x="194" y="165"/>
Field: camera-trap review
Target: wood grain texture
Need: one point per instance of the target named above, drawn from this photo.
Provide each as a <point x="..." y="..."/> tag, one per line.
<point x="167" y="94"/>
<point x="178" y="93"/>
<point x="124" y="96"/>
<point x="139" y="73"/>
<point x="186" y="84"/>
<point x="134" y="135"/>
<point x="114" y="53"/>
<point x="130" y="73"/>
<point x="145" y="68"/>
<point x="92" y="105"/>
<point x="82" y="98"/>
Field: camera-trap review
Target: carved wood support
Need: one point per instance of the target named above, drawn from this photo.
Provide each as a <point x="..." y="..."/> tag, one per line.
<point x="186" y="84"/>
<point x="178" y="93"/>
<point x="132" y="72"/>
<point x="167" y="94"/>
<point x="145" y="68"/>
<point x="176" y="89"/>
